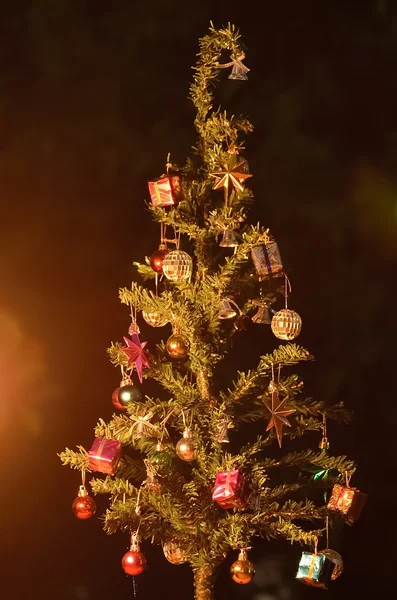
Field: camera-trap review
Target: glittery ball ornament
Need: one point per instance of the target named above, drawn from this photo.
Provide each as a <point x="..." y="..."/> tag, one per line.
<point x="157" y="259"/>
<point x="335" y="558"/>
<point x="177" y="346"/>
<point x="185" y="448"/>
<point x="242" y="570"/>
<point x="286" y="324"/>
<point x="155" y="319"/>
<point x="177" y="265"/>
<point x="174" y="551"/>
<point x="83" y="506"/>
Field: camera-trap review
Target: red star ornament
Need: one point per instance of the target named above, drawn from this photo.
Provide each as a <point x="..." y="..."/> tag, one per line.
<point x="230" y="174"/>
<point x="135" y="353"/>
<point x="278" y="413"/>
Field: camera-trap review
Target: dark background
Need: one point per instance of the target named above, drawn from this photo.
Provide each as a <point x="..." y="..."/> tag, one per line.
<point x="93" y="95"/>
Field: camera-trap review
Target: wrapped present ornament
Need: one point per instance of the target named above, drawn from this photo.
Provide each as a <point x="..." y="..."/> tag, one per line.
<point x="267" y="260"/>
<point x="166" y="190"/>
<point x="104" y="455"/>
<point x="347" y="502"/>
<point x="315" y="569"/>
<point x="230" y="489"/>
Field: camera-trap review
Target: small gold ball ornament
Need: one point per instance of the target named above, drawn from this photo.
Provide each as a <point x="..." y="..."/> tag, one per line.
<point x="185" y="448"/>
<point x="155" y="319"/>
<point x="177" y="265"/>
<point x="176" y="346"/>
<point x="175" y="551"/>
<point x="286" y="324"/>
<point x="242" y="570"/>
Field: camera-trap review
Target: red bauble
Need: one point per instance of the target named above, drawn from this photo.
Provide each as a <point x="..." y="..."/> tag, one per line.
<point x="157" y="259"/>
<point x="133" y="562"/>
<point x="84" y="507"/>
<point x="115" y="400"/>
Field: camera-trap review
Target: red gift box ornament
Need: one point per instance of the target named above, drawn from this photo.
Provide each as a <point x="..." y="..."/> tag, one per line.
<point x="104" y="455"/>
<point x="347" y="502"/>
<point x="166" y="190"/>
<point x="230" y="489"/>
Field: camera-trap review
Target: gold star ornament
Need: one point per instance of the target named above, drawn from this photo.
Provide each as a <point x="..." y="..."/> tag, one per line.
<point x="279" y="412"/>
<point x="231" y="174"/>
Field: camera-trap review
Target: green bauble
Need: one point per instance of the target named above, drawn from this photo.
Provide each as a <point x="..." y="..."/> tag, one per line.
<point x="161" y="461"/>
<point x="129" y="393"/>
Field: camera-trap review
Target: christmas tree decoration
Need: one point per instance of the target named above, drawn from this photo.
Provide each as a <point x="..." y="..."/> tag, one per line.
<point x="142" y="427"/>
<point x="134" y="562"/>
<point x="239" y="71"/>
<point x="177" y="346"/>
<point x="136" y="354"/>
<point x="230" y="239"/>
<point x="175" y="551"/>
<point x="286" y="324"/>
<point x="285" y="496"/>
<point x="160" y="460"/>
<point x="267" y="261"/>
<point x="336" y="559"/>
<point x="127" y="393"/>
<point x="157" y="259"/>
<point x="347" y="502"/>
<point x="221" y="431"/>
<point x="231" y="173"/>
<point x="83" y="506"/>
<point x="262" y="316"/>
<point x="242" y="570"/>
<point x="315" y="569"/>
<point x="154" y="319"/>
<point x="230" y="489"/>
<point x="166" y="190"/>
<point x="185" y="448"/>
<point x="279" y="412"/>
<point x="228" y="309"/>
<point x="104" y="455"/>
<point x="177" y="266"/>
<point x="324" y="443"/>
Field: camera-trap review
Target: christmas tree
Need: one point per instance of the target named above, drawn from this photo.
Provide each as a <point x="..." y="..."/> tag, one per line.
<point x="173" y="476"/>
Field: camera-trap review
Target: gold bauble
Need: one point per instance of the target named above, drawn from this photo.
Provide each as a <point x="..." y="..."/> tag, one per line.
<point x="185" y="448"/>
<point x="286" y="324"/>
<point x="176" y="346"/>
<point x="336" y="558"/>
<point x="155" y="319"/>
<point x="242" y="570"/>
<point x="175" y="551"/>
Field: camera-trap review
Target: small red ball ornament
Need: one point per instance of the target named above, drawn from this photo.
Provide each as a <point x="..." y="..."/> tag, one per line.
<point x="157" y="259"/>
<point x="134" y="562"/>
<point x="83" y="506"/>
<point x="115" y="400"/>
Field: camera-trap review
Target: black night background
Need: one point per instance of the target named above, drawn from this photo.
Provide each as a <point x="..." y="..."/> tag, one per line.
<point x="93" y="95"/>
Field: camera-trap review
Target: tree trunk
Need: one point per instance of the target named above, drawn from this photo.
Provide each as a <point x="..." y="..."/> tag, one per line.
<point x="203" y="583"/>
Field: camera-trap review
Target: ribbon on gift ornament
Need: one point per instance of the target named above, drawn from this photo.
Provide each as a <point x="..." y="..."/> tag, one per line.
<point x="313" y="561"/>
<point x="101" y="446"/>
<point x="227" y="484"/>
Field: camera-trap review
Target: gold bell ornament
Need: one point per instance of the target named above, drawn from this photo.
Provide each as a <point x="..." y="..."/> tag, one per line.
<point x="230" y="239"/>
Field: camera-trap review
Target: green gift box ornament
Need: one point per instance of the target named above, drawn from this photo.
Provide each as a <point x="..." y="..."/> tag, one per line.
<point x="315" y="569"/>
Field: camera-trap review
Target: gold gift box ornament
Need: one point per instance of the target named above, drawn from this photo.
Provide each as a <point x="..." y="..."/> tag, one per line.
<point x="347" y="502"/>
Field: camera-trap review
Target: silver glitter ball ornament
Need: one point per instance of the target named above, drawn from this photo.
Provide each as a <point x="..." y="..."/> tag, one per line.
<point x="177" y="265"/>
<point x="286" y="324"/>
